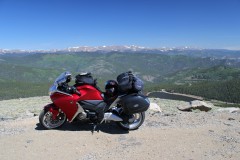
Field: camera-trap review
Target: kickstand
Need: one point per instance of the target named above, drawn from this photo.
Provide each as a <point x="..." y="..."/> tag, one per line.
<point x="95" y="128"/>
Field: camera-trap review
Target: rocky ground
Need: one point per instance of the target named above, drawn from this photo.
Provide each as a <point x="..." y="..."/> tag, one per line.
<point x="170" y="134"/>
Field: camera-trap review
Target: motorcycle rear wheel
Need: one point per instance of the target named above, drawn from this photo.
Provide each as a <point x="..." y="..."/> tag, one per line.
<point x="133" y="123"/>
<point x="46" y="120"/>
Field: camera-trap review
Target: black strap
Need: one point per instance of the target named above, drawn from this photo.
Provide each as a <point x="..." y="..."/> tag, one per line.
<point x="130" y="76"/>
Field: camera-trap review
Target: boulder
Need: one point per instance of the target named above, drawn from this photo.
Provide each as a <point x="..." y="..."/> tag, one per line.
<point x="155" y="108"/>
<point x="186" y="107"/>
<point x="200" y="105"/>
<point x="196" y="104"/>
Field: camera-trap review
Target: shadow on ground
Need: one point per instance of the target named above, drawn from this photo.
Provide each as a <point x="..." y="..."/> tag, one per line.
<point x="110" y="128"/>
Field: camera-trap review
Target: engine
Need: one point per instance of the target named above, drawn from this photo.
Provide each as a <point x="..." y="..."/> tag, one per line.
<point x="82" y="116"/>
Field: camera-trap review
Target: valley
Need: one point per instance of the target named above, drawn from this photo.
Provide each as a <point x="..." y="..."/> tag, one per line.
<point x="26" y="75"/>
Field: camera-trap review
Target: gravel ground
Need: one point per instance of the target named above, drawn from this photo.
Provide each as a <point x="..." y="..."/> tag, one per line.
<point x="171" y="134"/>
<point x="22" y="108"/>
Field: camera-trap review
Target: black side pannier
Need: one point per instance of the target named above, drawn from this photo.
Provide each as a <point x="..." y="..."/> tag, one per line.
<point x="127" y="82"/>
<point x="84" y="78"/>
<point x="134" y="103"/>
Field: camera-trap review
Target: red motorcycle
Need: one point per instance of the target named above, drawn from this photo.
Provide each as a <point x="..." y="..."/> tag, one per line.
<point x="122" y="102"/>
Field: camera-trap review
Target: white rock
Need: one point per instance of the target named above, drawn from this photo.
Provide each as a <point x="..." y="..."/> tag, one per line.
<point x="193" y="105"/>
<point x="229" y="109"/>
<point x="201" y="105"/>
<point x="155" y="108"/>
<point x="186" y="107"/>
<point x="198" y="103"/>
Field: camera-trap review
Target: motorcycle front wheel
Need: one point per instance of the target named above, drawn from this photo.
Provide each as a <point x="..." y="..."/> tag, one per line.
<point x="133" y="123"/>
<point x="47" y="121"/>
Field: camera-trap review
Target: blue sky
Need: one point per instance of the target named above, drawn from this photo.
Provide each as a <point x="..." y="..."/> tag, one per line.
<point x="49" y="24"/>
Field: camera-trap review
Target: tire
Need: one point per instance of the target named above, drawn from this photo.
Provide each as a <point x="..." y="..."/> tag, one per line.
<point x="137" y="121"/>
<point x="45" y="119"/>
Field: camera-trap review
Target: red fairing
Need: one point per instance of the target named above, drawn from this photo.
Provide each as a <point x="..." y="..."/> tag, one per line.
<point x="89" y="92"/>
<point x="67" y="103"/>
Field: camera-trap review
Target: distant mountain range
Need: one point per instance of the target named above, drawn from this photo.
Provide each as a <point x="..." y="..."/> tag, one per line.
<point x="189" y="51"/>
<point x="103" y="49"/>
<point x="30" y="73"/>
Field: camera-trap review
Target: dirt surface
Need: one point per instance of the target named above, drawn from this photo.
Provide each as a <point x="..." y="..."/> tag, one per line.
<point x="171" y="134"/>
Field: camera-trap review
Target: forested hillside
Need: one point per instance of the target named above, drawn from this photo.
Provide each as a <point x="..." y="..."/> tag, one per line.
<point x="227" y="91"/>
<point x="151" y="67"/>
<point x="32" y="74"/>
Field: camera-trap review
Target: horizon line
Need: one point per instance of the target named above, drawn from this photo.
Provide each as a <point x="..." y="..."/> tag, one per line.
<point x="143" y="47"/>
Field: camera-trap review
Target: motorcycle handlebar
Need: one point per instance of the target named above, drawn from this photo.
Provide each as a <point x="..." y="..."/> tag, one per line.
<point x="78" y="93"/>
<point x="74" y="90"/>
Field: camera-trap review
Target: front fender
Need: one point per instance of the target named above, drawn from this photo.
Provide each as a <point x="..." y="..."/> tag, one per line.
<point x="53" y="109"/>
<point x="49" y="106"/>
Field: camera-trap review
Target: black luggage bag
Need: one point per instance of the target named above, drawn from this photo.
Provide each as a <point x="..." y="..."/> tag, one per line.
<point x="84" y="78"/>
<point x="127" y="82"/>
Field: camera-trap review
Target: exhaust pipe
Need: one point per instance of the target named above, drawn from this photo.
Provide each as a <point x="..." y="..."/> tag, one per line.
<point x="111" y="117"/>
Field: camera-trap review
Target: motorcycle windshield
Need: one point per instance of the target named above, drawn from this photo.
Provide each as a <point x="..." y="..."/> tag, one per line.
<point x="62" y="78"/>
<point x="53" y="89"/>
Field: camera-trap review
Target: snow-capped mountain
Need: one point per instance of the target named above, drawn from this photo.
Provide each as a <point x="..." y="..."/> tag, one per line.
<point x="130" y="48"/>
<point x="188" y="51"/>
<point x="106" y="48"/>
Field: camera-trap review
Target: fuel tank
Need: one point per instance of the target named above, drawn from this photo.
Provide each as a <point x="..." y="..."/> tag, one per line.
<point x="89" y="92"/>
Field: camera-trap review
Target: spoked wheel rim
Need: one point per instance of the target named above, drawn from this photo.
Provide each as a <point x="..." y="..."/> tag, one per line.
<point x="133" y="122"/>
<point x="51" y="123"/>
